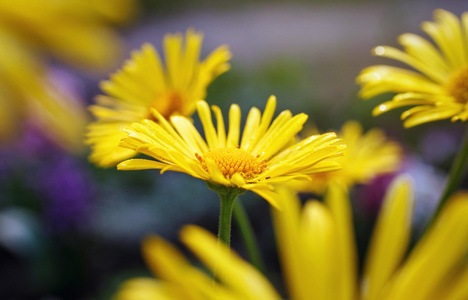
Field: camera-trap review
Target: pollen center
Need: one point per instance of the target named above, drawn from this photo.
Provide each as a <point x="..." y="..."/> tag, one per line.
<point x="167" y="104"/>
<point x="234" y="160"/>
<point x="457" y="86"/>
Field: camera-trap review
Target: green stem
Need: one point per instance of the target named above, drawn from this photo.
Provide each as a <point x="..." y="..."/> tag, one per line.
<point x="227" y="197"/>
<point x="456" y="174"/>
<point x="248" y="236"/>
<point x="225" y="215"/>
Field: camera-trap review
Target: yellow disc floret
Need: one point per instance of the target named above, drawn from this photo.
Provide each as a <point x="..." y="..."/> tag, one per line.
<point x="234" y="160"/>
<point x="457" y="86"/>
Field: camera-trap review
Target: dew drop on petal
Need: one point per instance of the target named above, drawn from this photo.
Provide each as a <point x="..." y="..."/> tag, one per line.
<point x="379" y="50"/>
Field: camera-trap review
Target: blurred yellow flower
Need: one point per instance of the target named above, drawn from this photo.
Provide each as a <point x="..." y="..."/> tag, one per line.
<point x="267" y="153"/>
<point x="318" y="251"/>
<point x="74" y="31"/>
<point x="438" y="89"/>
<point x="318" y="256"/>
<point x="178" y="279"/>
<point x="143" y="84"/>
<point x="367" y="155"/>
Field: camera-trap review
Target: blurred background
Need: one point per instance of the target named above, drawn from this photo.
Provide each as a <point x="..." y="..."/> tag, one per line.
<point x="70" y="230"/>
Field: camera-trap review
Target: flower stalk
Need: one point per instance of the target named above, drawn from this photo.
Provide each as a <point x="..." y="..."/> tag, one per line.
<point x="227" y="196"/>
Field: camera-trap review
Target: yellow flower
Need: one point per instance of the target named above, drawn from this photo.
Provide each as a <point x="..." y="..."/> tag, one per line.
<point x="180" y="280"/>
<point x="438" y="87"/>
<point x="318" y="255"/>
<point x="367" y="155"/>
<point x="32" y="30"/>
<point x="76" y="31"/>
<point x="143" y="84"/>
<point x="267" y="153"/>
<point x="318" y="251"/>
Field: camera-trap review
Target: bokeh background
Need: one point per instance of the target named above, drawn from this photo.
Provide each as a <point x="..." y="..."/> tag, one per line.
<point x="70" y="230"/>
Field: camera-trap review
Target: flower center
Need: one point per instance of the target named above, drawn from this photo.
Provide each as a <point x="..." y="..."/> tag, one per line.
<point x="457" y="86"/>
<point x="167" y="104"/>
<point x="234" y="160"/>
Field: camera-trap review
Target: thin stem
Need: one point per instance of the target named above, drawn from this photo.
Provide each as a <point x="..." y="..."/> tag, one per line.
<point x="248" y="236"/>
<point x="225" y="215"/>
<point x="227" y="196"/>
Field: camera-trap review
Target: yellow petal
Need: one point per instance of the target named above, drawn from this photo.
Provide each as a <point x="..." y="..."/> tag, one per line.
<point x="337" y="199"/>
<point x="265" y="121"/>
<point x="149" y="289"/>
<point x="390" y="238"/>
<point x="215" y="174"/>
<point x="440" y="251"/>
<point x="267" y="194"/>
<point x="430" y="115"/>
<point x="238" y="180"/>
<point x="251" y="125"/>
<point x="389" y="105"/>
<point x="190" y="135"/>
<point x="190" y="59"/>
<point x="220" y="128"/>
<point x="229" y="268"/>
<point x="446" y="33"/>
<point x="457" y="287"/>
<point x="234" y="126"/>
<point x="168" y="264"/>
<point x="205" y="117"/>
<point x="140" y="164"/>
<point x="391" y="52"/>
<point x="419" y="47"/>
<point x="317" y="232"/>
<point x="286" y="225"/>
<point x="173" y="53"/>
<point x="277" y="137"/>
<point x="381" y="79"/>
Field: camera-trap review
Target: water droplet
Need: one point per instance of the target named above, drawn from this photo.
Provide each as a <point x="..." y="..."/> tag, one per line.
<point x="379" y="50"/>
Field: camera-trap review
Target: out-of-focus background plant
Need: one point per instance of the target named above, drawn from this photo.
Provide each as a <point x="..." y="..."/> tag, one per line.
<point x="69" y="230"/>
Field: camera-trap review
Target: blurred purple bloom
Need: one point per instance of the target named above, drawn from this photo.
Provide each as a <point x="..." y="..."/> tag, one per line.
<point x="371" y="194"/>
<point x="67" y="190"/>
<point x="61" y="183"/>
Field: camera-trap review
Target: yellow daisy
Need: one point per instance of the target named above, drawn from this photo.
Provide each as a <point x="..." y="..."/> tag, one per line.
<point x="318" y="251"/>
<point x="180" y="280"/>
<point x="267" y="153"/>
<point x="437" y="88"/>
<point x="318" y="255"/>
<point x="74" y="31"/>
<point x="143" y="84"/>
<point x="368" y="155"/>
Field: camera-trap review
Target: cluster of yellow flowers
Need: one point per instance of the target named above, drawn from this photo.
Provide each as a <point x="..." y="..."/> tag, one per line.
<point x="318" y="254"/>
<point x="147" y="109"/>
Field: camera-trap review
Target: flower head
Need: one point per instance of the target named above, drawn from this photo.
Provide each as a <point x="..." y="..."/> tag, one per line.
<point x="76" y="32"/>
<point x="267" y="153"/>
<point x="83" y="38"/>
<point x="437" y="88"/>
<point x="368" y="155"/>
<point x="143" y="84"/>
<point x="318" y="255"/>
